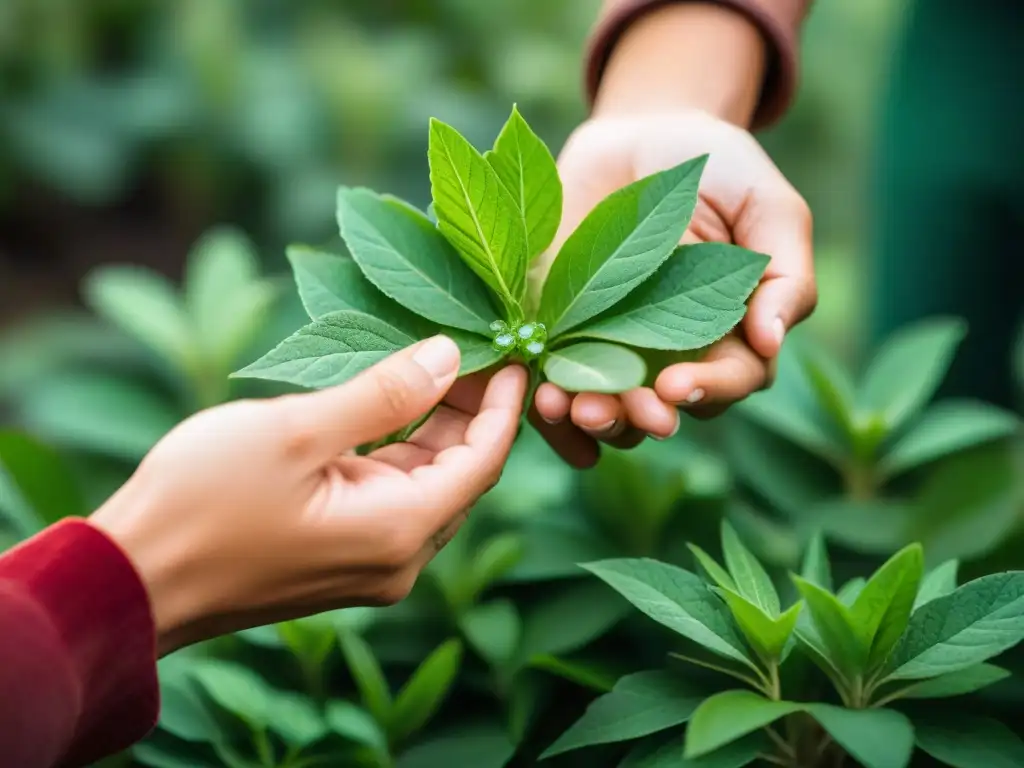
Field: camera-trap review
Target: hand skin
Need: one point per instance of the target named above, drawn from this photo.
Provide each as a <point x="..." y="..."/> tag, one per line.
<point x="683" y="81"/>
<point x="259" y="511"/>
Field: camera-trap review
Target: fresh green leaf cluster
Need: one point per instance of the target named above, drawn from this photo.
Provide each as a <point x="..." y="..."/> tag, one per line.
<point x="620" y="284"/>
<point x="901" y="635"/>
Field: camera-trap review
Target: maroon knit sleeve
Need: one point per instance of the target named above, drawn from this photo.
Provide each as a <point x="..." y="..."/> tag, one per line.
<point x="77" y="650"/>
<point x="778" y="20"/>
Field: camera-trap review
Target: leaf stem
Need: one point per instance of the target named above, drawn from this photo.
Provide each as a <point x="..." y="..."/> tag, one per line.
<point x="760" y="686"/>
<point x="774" y="759"/>
<point x="784" y="746"/>
<point x="263" y="748"/>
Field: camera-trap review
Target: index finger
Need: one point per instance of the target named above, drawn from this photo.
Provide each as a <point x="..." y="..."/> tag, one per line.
<point x="461" y="474"/>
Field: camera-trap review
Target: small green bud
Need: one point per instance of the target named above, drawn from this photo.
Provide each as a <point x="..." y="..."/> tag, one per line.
<point x="503" y="342"/>
<point x="499" y="326"/>
<point x="534" y="348"/>
<point x="526" y="330"/>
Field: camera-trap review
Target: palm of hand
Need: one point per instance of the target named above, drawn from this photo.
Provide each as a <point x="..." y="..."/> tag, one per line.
<point x="744" y="199"/>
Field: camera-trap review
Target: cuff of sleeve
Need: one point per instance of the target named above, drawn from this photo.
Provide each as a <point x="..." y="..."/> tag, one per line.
<point x="781" y="73"/>
<point x="99" y="608"/>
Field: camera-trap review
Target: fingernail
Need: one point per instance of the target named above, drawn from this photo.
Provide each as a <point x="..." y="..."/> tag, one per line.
<point x="695" y="397"/>
<point x="439" y="357"/>
<point x="780" y="330"/>
<point x="673" y="433"/>
<point x="608" y="426"/>
<point x="552" y="422"/>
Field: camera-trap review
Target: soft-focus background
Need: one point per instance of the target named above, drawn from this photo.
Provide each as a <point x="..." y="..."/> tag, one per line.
<point x="129" y="128"/>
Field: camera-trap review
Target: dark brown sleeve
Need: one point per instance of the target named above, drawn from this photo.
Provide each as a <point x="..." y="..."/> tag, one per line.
<point x="778" y="20"/>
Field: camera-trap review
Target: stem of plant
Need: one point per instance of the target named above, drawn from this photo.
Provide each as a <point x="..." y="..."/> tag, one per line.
<point x="755" y="684"/>
<point x="263" y="748"/>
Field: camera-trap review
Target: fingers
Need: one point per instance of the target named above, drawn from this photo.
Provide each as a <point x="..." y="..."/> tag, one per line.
<point x="459" y="475"/>
<point x="650" y="414"/>
<point x="576" y="448"/>
<point x="778" y="223"/>
<point x="377" y="402"/>
<point x="729" y="372"/>
<point x="552" y="402"/>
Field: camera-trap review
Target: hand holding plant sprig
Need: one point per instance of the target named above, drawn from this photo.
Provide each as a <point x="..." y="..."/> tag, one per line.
<point x="620" y="295"/>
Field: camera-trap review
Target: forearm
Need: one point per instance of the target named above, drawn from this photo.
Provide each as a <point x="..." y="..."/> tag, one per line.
<point x="686" y="55"/>
<point x="735" y="58"/>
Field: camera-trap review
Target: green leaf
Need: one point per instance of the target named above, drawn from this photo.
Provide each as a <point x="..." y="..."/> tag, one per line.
<point x="310" y="638"/>
<point x="41" y="478"/>
<point x="477" y="352"/>
<point x="883" y="607"/>
<point x="425" y="691"/>
<point x="329" y="351"/>
<point x="638" y="705"/>
<point x="735" y="755"/>
<point x="676" y="599"/>
<point x="908" y="369"/>
<point x="728" y="716"/>
<point x="236" y="689"/>
<point x="329" y="283"/>
<point x="945" y="428"/>
<point x="622" y="242"/>
<point x="296" y="719"/>
<point x="751" y="579"/>
<point x="957" y="683"/>
<point x="717" y="573"/>
<point x="876" y="738"/>
<point x="816" y="567"/>
<point x="835" y="628"/>
<point x="493" y="630"/>
<point x="767" y="634"/>
<point x="693" y="300"/>
<point x="477" y="214"/>
<point x="226" y="299"/>
<point x="146" y="306"/>
<point x="969" y="741"/>
<point x="367" y="674"/>
<point x="355" y="724"/>
<point x="480" y="746"/>
<point x="832" y="386"/>
<point x="567" y="618"/>
<point x="595" y="367"/>
<point x="940" y="581"/>
<point x="850" y="591"/>
<point x="979" y="620"/>
<point x="183" y="712"/>
<point x="85" y="411"/>
<point x="526" y="168"/>
<point x="594" y="675"/>
<point x="409" y="260"/>
<point x="498" y="555"/>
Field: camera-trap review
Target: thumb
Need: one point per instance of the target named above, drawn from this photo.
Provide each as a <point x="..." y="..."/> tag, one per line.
<point x="382" y="399"/>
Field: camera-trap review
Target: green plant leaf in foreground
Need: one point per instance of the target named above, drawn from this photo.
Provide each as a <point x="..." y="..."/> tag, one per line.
<point x="939" y="581"/>
<point x="730" y="715"/>
<point x="752" y="581"/>
<point x="694" y="299"/>
<point x="623" y="241"/>
<point x="957" y="683"/>
<point x="477" y="214"/>
<point x="876" y="738"/>
<point x="329" y="351"/>
<point x="834" y="628"/>
<point x="882" y="609"/>
<point x="638" y="705"/>
<point x="526" y="168"/>
<point x="979" y="620"/>
<point x="650" y="754"/>
<point x="816" y="567"/>
<point x="409" y="260"/>
<point x="367" y="674"/>
<point x="595" y="367"/>
<point x="677" y="599"/>
<point x="330" y="283"/>
<point x="767" y="634"/>
<point x="41" y="479"/>
<point x="969" y="741"/>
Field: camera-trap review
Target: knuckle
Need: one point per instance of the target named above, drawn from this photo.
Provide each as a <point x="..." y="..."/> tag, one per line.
<point x="396" y="393"/>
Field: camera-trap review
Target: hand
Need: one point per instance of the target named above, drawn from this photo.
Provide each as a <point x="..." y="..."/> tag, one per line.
<point x="260" y="511"/>
<point x="745" y="200"/>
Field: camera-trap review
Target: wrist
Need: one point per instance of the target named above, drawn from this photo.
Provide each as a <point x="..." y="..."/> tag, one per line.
<point x="692" y="55"/>
<point x="160" y="555"/>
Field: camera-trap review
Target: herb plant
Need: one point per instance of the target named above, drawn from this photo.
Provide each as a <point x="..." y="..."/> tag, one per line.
<point x="901" y="637"/>
<point x="620" y="288"/>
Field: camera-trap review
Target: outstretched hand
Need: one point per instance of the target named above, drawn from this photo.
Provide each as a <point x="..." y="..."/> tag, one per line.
<point x="261" y="511"/>
<point x="744" y="199"/>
